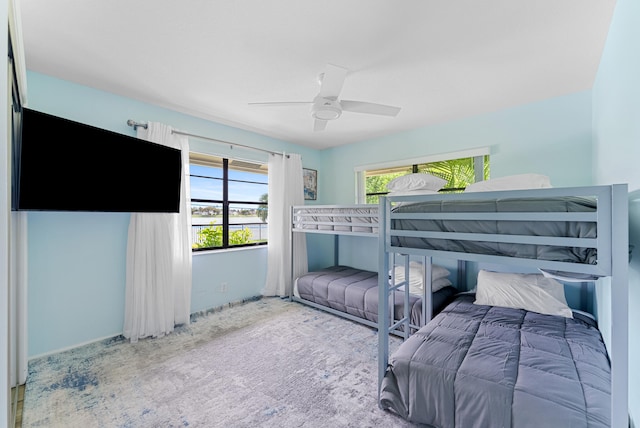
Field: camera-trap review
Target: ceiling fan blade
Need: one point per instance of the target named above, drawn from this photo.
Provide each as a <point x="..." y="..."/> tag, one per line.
<point x="332" y="81"/>
<point x="282" y="103"/>
<point x="319" y="125"/>
<point x="370" y="108"/>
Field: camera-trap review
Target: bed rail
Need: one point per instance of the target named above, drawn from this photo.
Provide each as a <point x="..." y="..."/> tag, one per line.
<point x="354" y="220"/>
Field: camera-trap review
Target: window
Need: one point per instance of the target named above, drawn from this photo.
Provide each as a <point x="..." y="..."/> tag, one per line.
<point x="459" y="169"/>
<point x="228" y="202"/>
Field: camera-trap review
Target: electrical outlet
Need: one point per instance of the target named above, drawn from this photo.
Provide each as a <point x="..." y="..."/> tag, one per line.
<point x="223" y="287"/>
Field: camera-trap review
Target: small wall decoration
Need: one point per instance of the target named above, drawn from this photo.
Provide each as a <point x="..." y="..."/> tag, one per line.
<point x="310" y="180"/>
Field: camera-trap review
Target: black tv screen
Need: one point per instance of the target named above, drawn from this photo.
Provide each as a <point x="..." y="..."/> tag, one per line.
<point x="62" y="165"/>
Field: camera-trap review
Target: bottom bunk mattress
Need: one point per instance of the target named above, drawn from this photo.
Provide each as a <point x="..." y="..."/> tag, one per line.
<point x="489" y="366"/>
<point x="355" y="291"/>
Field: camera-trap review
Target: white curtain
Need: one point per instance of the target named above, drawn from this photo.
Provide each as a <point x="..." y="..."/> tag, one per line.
<point x="158" y="287"/>
<point x="285" y="189"/>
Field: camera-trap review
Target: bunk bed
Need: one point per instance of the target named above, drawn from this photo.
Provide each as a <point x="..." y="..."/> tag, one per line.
<point x="353" y="293"/>
<point x="489" y="363"/>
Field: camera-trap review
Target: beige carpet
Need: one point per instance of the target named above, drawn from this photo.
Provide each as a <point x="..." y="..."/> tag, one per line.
<point x="264" y="363"/>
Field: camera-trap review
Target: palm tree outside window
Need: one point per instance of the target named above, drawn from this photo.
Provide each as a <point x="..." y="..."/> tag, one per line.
<point x="458" y="173"/>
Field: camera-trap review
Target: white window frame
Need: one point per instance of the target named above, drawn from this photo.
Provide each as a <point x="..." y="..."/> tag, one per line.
<point x="204" y="161"/>
<point x="359" y="171"/>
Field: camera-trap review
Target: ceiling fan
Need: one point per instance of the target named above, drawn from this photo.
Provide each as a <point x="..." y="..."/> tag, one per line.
<point x="326" y="106"/>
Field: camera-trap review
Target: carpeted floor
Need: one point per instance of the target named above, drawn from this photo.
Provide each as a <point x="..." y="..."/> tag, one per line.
<point x="264" y="363"/>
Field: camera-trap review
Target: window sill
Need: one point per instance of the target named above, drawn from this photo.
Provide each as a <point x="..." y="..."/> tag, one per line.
<point x="228" y="250"/>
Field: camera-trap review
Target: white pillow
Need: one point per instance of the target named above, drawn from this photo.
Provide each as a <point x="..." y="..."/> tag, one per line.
<point x="511" y="182"/>
<point x="532" y="292"/>
<point x="417" y="181"/>
<point x="436" y="285"/>
<point x="416" y="272"/>
<point x="413" y="192"/>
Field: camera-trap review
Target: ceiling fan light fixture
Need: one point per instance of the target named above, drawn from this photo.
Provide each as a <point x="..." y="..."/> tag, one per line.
<point x="325" y="109"/>
<point x="326" y="112"/>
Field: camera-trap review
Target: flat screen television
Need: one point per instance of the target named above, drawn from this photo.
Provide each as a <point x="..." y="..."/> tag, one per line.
<point x="62" y="165"/>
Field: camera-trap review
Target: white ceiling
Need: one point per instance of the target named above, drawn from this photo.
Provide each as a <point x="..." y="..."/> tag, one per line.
<point x="438" y="60"/>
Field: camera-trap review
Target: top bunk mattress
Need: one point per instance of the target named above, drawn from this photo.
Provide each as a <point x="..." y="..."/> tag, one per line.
<point x="544" y="228"/>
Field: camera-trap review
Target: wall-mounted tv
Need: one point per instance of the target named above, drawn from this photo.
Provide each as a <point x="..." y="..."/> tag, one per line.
<point x="62" y="165"/>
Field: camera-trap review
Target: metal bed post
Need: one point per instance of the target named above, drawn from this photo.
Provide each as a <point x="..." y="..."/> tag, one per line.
<point x="427" y="295"/>
<point x="383" y="293"/>
<point x="462" y="274"/>
<point x="291" y="249"/>
<point x="405" y="300"/>
<point x="619" y="306"/>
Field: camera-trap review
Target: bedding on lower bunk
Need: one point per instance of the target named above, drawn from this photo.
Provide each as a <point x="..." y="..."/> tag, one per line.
<point x="355" y="291"/>
<point x="577" y="229"/>
<point x="478" y="365"/>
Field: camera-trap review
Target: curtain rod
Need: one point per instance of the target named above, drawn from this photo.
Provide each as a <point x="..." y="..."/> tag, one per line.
<point x="135" y="125"/>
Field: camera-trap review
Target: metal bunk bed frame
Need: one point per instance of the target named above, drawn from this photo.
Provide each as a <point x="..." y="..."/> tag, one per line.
<point x="612" y="245"/>
<point x="304" y="219"/>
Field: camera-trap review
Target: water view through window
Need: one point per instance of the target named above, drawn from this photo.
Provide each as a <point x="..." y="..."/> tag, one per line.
<point x="228" y="203"/>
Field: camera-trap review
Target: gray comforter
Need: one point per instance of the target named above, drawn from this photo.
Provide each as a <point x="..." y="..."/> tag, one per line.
<point x="576" y="229"/>
<point x="484" y="366"/>
<point x="355" y="291"/>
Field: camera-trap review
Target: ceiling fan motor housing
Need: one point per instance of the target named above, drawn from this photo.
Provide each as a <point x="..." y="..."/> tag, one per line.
<point x="326" y="109"/>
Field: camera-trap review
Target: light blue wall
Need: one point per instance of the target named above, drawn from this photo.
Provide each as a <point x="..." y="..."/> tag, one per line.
<point x="538" y="137"/>
<point x="551" y="137"/>
<point x="76" y="277"/>
<point x="616" y="130"/>
<point x="76" y="261"/>
<point x="243" y="271"/>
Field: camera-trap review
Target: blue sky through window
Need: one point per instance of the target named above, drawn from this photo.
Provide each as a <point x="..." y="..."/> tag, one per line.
<point x="205" y="188"/>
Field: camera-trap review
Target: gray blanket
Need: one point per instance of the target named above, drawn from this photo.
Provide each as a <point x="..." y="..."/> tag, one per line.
<point x="355" y="291"/>
<point x="485" y="366"/>
<point x="576" y="229"/>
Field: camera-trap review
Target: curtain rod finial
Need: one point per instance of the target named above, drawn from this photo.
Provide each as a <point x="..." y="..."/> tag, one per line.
<point x="135" y="124"/>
